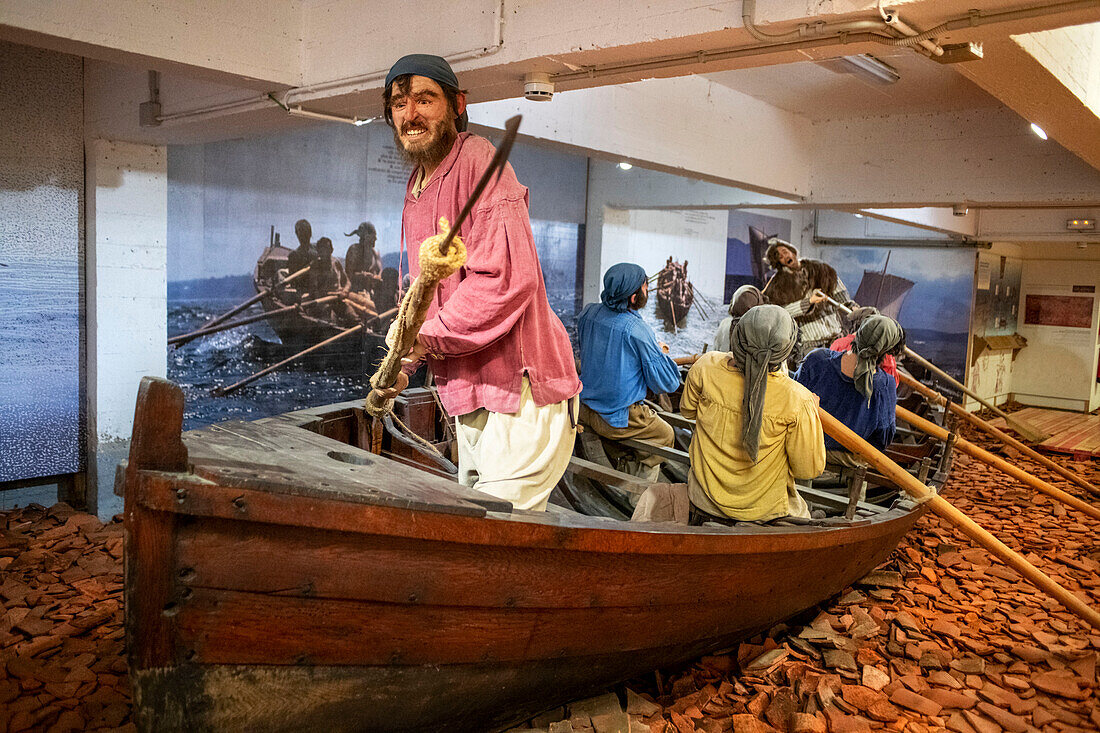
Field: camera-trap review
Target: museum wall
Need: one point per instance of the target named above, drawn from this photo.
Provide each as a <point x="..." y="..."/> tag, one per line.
<point x="41" y="263"/>
<point x="1059" y="316"/>
<point x="227" y="201"/>
<point x="994" y="325"/>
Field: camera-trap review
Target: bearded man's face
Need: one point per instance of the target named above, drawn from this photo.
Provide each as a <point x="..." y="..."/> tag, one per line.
<point x="787" y="257"/>
<point x="423" y="122"/>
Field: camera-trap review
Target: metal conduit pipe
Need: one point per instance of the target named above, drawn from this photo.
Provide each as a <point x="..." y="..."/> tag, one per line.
<point x="664" y="62"/>
<point x="895" y="21"/>
<point x="977" y="18"/>
<point x="805" y="30"/>
<point x="345" y="85"/>
<point x="972" y="19"/>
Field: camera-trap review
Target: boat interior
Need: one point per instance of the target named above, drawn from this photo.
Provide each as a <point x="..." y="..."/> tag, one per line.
<point x="417" y="435"/>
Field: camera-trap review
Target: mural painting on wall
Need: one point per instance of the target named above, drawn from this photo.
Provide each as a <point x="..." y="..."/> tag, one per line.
<point x="746" y="243"/>
<point x="40" y="394"/>
<point x="299" y="259"/>
<point x="927" y="290"/>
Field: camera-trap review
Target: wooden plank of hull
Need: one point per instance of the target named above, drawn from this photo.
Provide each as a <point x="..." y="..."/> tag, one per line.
<point x="405" y="665"/>
<point x="387" y="569"/>
<point x="201" y="498"/>
<point x="473" y="697"/>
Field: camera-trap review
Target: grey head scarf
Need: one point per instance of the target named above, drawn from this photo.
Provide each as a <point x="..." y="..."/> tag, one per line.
<point x="761" y="341"/>
<point x="877" y="335"/>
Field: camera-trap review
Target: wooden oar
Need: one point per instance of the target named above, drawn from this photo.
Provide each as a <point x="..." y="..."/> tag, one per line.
<point x="997" y="462"/>
<point x="207" y="330"/>
<point x="219" y="391"/>
<point x="180" y="340"/>
<point x="686" y="360"/>
<point x="1000" y="435"/>
<point x="1028" y="431"/>
<point x="844" y="435"/>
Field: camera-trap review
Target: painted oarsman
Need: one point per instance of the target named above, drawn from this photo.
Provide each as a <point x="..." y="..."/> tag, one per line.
<point x="500" y="356"/>
<point x="621" y="359"/>
<point x="362" y="262"/>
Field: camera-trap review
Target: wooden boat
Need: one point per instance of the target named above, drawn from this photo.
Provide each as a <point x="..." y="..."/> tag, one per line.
<point x="280" y="576"/>
<point x="675" y="294"/>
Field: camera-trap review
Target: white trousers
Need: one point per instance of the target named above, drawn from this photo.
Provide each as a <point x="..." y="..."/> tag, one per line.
<point x="517" y="456"/>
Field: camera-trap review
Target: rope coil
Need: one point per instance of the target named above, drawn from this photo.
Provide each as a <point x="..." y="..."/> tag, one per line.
<point x="435" y="265"/>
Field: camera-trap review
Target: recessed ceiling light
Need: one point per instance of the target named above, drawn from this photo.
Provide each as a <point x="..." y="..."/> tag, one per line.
<point x="1038" y="131"/>
<point x="859" y="216"/>
<point x="625" y="166"/>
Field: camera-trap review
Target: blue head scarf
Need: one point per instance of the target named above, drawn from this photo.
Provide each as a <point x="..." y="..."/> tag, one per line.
<point x="435" y="68"/>
<point x="619" y="283"/>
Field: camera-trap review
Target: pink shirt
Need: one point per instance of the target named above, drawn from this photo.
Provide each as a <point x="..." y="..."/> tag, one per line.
<point x="491" y="321"/>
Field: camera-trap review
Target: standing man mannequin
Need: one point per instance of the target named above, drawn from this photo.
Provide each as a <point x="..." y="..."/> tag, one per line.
<point x="620" y="359"/>
<point x="501" y="358"/>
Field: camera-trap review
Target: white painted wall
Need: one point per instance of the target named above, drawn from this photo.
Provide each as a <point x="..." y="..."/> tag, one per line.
<point x="901" y="160"/>
<point x="127" y="220"/>
<point x="1072" y="54"/>
<point x="1058" y="367"/>
<point x="689" y="125"/>
<point x="257" y="39"/>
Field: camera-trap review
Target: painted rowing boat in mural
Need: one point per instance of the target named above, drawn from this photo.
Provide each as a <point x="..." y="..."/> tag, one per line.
<point x="280" y="575"/>
<point x="675" y="294"/>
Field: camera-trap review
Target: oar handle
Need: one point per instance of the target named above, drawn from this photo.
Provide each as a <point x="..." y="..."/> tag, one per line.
<point x="842" y="434"/>
<point x="930" y="428"/>
<point x="219" y="391"/>
<point x="1000" y="435"/>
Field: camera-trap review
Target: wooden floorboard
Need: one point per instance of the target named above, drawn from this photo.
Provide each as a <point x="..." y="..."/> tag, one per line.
<point x="1071" y="432"/>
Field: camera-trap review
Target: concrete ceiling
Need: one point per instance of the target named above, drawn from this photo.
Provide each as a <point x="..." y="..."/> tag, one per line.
<point x="829" y="90"/>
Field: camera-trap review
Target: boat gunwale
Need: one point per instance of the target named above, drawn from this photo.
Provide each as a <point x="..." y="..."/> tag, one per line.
<point x="160" y="492"/>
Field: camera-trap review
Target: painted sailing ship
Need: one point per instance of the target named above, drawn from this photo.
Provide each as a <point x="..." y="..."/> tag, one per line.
<point x="883" y="291"/>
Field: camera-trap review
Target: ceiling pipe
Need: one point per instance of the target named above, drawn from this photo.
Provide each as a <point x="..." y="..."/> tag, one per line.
<point x="806" y="36"/>
<point x="346" y="85"/>
<point x="804" y="30"/>
<point x="978" y="18"/>
<point x="883" y="36"/>
<point x="894" y="21"/>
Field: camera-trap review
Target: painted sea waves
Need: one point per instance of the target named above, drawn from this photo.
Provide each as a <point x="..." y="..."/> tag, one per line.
<point x="40" y="421"/>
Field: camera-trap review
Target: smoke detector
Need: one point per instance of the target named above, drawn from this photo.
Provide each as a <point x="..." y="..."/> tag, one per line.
<point x="537" y="87"/>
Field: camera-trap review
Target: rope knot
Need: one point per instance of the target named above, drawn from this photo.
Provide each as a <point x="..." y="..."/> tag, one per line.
<point x="436" y="265"/>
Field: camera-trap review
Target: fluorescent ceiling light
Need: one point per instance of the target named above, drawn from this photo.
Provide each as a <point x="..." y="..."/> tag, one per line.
<point x="1038" y="131"/>
<point x="625" y="166"/>
<point x="872" y="69"/>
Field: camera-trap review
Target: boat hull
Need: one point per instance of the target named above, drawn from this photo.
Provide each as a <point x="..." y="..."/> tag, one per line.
<point x="261" y="598"/>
